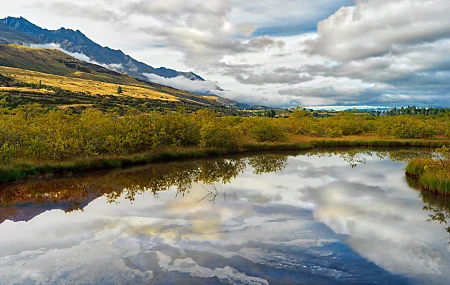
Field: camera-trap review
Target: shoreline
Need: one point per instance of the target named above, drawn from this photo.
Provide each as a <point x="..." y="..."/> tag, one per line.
<point x="430" y="190"/>
<point x="24" y="171"/>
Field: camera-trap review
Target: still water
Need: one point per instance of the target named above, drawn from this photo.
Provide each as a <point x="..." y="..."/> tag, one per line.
<point x="321" y="218"/>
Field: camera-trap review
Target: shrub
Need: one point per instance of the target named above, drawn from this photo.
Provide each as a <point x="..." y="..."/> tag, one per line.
<point x="7" y="153"/>
<point x="222" y="136"/>
<point x="268" y="130"/>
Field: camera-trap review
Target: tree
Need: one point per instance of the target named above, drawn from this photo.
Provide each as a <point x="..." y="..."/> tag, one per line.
<point x="119" y="90"/>
<point x="269" y="113"/>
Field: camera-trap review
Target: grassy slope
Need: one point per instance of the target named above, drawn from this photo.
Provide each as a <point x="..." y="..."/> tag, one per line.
<point x="83" y="85"/>
<point x="58" y="69"/>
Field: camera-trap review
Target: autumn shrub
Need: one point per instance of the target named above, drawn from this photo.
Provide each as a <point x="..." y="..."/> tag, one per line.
<point x="268" y="130"/>
<point x="218" y="134"/>
<point x="7" y="153"/>
<point x="406" y="127"/>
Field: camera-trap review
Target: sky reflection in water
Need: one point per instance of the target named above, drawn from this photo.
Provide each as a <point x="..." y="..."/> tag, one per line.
<point x="316" y="220"/>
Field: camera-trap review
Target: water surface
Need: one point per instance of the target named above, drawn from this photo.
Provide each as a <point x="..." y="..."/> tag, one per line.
<point x="339" y="218"/>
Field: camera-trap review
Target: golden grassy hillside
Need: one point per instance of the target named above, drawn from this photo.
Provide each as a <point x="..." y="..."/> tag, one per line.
<point x="72" y="84"/>
<point x="57" y="69"/>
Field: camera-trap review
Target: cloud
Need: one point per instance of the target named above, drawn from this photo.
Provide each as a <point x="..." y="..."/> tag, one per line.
<point x="114" y="67"/>
<point x="277" y="53"/>
<point x="94" y="12"/>
<point x="184" y="83"/>
<point x="279" y="76"/>
<point x="202" y="30"/>
<point x="373" y="27"/>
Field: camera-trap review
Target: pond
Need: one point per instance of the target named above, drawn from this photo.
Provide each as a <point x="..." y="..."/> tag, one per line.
<point x="312" y="218"/>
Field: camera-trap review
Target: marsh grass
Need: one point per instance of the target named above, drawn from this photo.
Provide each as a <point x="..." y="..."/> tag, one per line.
<point x="437" y="181"/>
<point x="433" y="174"/>
<point x="416" y="167"/>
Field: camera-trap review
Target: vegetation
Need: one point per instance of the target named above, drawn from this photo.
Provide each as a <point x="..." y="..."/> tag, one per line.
<point x="35" y="139"/>
<point x="433" y="173"/>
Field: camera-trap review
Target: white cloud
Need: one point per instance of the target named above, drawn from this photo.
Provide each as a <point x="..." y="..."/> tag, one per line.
<point x="184" y="83"/>
<point x="373" y="27"/>
<point x="80" y="56"/>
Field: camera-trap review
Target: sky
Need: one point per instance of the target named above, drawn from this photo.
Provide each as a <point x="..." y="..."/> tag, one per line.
<point x="279" y="53"/>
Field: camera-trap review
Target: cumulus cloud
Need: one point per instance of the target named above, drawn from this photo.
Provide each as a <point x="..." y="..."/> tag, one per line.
<point x="184" y="83"/>
<point x="373" y="27"/>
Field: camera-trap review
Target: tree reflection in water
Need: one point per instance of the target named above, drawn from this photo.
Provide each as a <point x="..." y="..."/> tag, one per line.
<point x="22" y="202"/>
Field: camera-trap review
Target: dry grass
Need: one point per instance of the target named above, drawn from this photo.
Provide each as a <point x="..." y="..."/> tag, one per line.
<point x="84" y="85"/>
<point x="366" y="137"/>
<point x="25" y="90"/>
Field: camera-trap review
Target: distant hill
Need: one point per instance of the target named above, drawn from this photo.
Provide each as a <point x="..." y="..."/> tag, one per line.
<point x="8" y="35"/>
<point x="22" y="31"/>
<point x="65" y="78"/>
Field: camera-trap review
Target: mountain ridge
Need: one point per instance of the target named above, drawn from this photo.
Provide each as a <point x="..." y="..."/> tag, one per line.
<point x="23" y="67"/>
<point x="76" y="42"/>
<point x="9" y="35"/>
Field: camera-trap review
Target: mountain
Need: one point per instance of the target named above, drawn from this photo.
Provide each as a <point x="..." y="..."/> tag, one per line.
<point x="8" y="35"/>
<point x="54" y="78"/>
<point x="76" y="42"/>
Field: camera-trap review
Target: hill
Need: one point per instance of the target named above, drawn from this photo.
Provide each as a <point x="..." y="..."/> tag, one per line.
<point x="52" y="77"/>
<point x="77" y="42"/>
<point x="8" y="35"/>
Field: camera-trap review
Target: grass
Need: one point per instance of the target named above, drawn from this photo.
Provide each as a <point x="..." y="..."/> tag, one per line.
<point x="431" y="175"/>
<point x="416" y="167"/>
<point x="20" y="170"/>
<point x="437" y="181"/>
<point x="93" y="87"/>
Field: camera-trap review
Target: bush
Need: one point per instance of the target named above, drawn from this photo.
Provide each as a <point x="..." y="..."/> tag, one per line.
<point x="222" y="136"/>
<point x="7" y="153"/>
<point x="268" y="130"/>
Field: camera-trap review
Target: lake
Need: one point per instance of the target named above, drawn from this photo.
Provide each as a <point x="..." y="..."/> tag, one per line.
<point x="311" y="218"/>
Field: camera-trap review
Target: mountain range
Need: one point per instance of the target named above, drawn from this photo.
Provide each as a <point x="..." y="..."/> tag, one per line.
<point x="21" y="31"/>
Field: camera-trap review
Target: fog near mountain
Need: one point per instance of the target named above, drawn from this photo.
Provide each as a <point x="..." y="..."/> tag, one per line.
<point x="113" y="66"/>
<point x="206" y="87"/>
